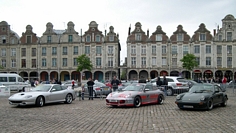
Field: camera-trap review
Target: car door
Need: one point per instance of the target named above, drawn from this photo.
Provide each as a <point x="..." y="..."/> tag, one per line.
<point x="153" y="94"/>
<point x="217" y="98"/>
<point x="148" y="93"/>
<point x="57" y="93"/>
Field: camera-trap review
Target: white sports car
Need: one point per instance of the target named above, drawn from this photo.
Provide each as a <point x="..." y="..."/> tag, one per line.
<point x="43" y="94"/>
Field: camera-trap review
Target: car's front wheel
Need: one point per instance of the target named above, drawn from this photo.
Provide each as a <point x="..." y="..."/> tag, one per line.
<point x="169" y="91"/>
<point x="224" y="103"/>
<point x="160" y="99"/>
<point x="209" y="104"/>
<point x="39" y="101"/>
<point x="137" y="101"/>
<point x="69" y="99"/>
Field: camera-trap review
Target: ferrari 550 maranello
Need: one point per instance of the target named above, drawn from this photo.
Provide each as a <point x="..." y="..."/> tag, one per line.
<point x="43" y="94"/>
<point x="136" y="94"/>
<point x="202" y="96"/>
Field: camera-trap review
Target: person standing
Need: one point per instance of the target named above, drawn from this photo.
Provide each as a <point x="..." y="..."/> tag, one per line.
<point x="90" y="84"/>
<point x="159" y="82"/>
<point x="165" y="84"/>
<point x="115" y="83"/>
<point x="73" y="84"/>
<point x="224" y="81"/>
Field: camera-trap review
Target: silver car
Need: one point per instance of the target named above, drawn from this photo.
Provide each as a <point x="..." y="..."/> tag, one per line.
<point x="176" y="85"/>
<point x="69" y="83"/>
<point x="43" y="94"/>
<point x="98" y="89"/>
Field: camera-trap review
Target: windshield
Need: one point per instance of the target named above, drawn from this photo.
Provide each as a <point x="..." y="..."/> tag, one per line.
<point x="136" y="87"/>
<point x="202" y="88"/>
<point x="43" y="88"/>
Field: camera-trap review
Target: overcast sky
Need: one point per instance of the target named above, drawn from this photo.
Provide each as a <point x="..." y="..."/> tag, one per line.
<point x="118" y="13"/>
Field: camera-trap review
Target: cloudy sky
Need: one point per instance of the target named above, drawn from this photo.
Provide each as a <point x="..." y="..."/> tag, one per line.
<point x="118" y="13"/>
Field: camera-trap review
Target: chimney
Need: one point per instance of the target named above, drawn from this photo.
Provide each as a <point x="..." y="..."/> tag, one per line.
<point x="81" y="35"/>
<point x="129" y="29"/>
<point x="214" y="32"/>
<point x="105" y="32"/>
<point x="148" y="33"/>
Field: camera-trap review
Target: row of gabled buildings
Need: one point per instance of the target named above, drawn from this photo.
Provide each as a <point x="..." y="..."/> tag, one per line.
<point x="54" y="54"/>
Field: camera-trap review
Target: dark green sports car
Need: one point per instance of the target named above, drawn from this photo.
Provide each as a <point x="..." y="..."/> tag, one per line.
<point x="202" y="96"/>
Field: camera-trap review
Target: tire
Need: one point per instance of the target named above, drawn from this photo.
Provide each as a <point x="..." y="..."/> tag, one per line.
<point x="68" y="99"/>
<point x="209" y="104"/>
<point x="39" y="101"/>
<point x="137" y="101"/>
<point x="224" y="103"/>
<point x="169" y="91"/>
<point x="160" y="99"/>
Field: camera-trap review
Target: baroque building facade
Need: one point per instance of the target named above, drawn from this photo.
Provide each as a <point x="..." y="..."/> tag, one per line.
<point x="157" y="55"/>
<point x="54" y="54"/>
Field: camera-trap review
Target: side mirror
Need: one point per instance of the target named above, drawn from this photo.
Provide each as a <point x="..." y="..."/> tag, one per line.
<point x="53" y="90"/>
<point x="146" y="89"/>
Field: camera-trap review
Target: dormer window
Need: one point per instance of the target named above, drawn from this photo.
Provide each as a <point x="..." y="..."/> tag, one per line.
<point x="202" y="37"/>
<point x="3" y="39"/>
<point x="229" y="36"/>
<point x="3" y="29"/>
<point x="220" y="38"/>
<point x="97" y="38"/>
<point x="158" y="37"/>
<point x="111" y="38"/>
<point x="138" y="37"/>
<point x="88" y="39"/>
<point x="49" y="39"/>
<point x="28" y="39"/>
<point x="179" y="37"/>
<point x="70" y="38"/>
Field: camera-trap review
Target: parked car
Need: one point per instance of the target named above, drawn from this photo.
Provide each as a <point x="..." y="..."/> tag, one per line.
<point x="176" y="85"/>
<point x="136" y="94"/>
<point x="43" y="94"/>
<point x="231" y="84"/>
<point x="124" y="84"/>
<point x="202" y="96"/>
<point x="192" y="83"/>
<point x="98" y="89"/>
<point x="69" y="83"/>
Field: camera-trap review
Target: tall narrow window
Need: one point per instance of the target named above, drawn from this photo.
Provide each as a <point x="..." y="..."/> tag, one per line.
<point x="154" y="50"/>
<point x="98" y="50"/>
<point x="70" y="38"/>
<point x="110" y="49"/>
<point x="4" y="63"/>
<point x="44" y="62"/>
<point x="111" y="38"/>
<point x="3" y="52"/>
<point x="174" y="61"/>
<point x="64" y="52"/>
<point x="229" y="61"/>
<point x="28" y="39"/>
<point x="64" y="62"/>
<point x="133" y="61"/>
<point x="208" y="61"/>
<point x="154" y="61"/>
<point x="49" y="39"/>
<point x="23" y="52"/>
<point x="220" y="38"/>
<point x="143" y="50"/>
<point x="23" y="63"/>
<point x="110" y="61"/>
<point x="98" y="61"/>
<point x="229" y="36"/>
<point x="44" y="51"/>
<point x="159" y="37"/>
<point x="163" y="49"/>
<point x="13" y="63"/>
<point x="143" y="59"/>
<point x="163" y="61"/>
<point x="197" y="49"/>
<point x="185" y="50"/>
<point x="33" y="52"/>
<point x="174" y="49"/>
<point x="76" y="49"/>
<point x="219" y="49"/>
<point x="13" y="51"/>
<point x="97" y="38"/>
<point x="219" y="61"/>
<point x="229" y="49"/>
<point x="202" y="37"/>
<point x="198" y="60"/>
<point x="54" y="50"/>
<point x="138" y="37"/>
<point x="87" y="49"/>
<point x="133" y="50"/>
<point x="54" y="62"/>
<point x="88" y="39"/>
<point x="208" y="49"/>
<point x="4" y="40"/>
<point x="75" y="62"/>
<point x="179" y="37"/>
<point x="33" y="62"/>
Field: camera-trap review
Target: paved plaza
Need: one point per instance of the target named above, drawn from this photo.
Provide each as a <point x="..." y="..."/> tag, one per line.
<point x="93" y="116"/>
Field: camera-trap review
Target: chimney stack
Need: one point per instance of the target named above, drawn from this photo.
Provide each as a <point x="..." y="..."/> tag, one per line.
<point x="129" y="29"/>
<point x="148" y="32"/>
<point x="214" y="32"/>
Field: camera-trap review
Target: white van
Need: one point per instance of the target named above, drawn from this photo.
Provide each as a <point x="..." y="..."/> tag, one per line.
<point x="14" y="81"/>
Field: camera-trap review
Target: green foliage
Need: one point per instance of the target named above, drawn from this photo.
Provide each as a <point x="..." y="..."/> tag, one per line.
<point x="189" y="62"/>
<point x="123" y="75"/>
<point x="1" y="67"/>
<point x="84" y="63"/>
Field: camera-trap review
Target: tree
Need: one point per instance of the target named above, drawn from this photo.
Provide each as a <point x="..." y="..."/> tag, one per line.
<point x="123" y="75"/>
<point x="84" y="63"/>
<point x="1" y="67"/>
<point x="189" y="62"/>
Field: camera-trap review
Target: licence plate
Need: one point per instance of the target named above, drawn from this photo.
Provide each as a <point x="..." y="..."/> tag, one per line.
<point x="187" y="106"/>
<point x="113" y="100"/>
<point x="105" y="89"/>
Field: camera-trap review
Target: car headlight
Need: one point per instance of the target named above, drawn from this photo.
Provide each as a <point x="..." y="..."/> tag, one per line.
<point x="28" y="96"/>
<point x="202" y="98"/>
<point x="178" y="97"/>
<point x="127" y="95"/>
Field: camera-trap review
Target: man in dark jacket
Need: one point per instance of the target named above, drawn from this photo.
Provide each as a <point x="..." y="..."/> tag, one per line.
<point x="90" y="84"/>
<point x="165" y="84"/>
<point x="115" y="83"/>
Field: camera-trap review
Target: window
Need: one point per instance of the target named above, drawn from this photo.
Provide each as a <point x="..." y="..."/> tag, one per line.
<point x="163" y="50"/>
<point x="33" y="62"/>
<point x="174" y="49"/>
<point x="49" y="39"/>
<point x="110" y="61"/>
<point x="54" y="62"/>
<point x="75" y="62"/>
<point x="154" y="61"/>
<point x="98" y="50"/>
<point x="138" y="37"/>
<point x="44" y="62"/>
<point x="12" y="41"/>
<point x="12" y="79"/>
<point x="202" y="37"/>
<point x="220" y="38"/>
<point x="229" y="36"/>
<point x="13" y="51"/>
<point x="23" y="52"/>
<point x="159" y="37"/>
<point x="33" y="52"/>
<point x="197" y="49"/>
<point x="219" y="61"/>
<point x="133" y="50"/>
<point x="87" y="49"/>
<point x="64" y="50"/>
<point x="44" y="50"/>
<point x="198" y="60"/>
<point x="54" y="50"/>
<point x="3" y="52"/>
<point x="4" y="63"/>
<point x="185" y="50"/>
<point x="110" y="49"/>
<point x="97" y="38"/>
<point x="163" y="60"/>
<point x="13" y="62"/>
<point x="98" y="61"/>
<point x="229" y="49"/>
<point x="219" y="49"/>
<point x="70" y="38"/>
<point x="208" y="61"/>
<point x="76" y="49"/>
<point x="208" y="49"/>
<point x="174" y="61"/>
<point x="229" y="61"/>
<point x="23" y="63"/>
<point x="3" y="79"/>
<point x="3" y="39"/>
<point x="111" y="38"/>
<point x="143" y="50"/>
<point x="154" y="50"/>
<point x="143" y="59"/>
<point x="133" y="61"/>
<point x="88" y="39"/>
<point x="28" y="39"/>
<point x="179" y="37"/>
<point x="64" y="62"/>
